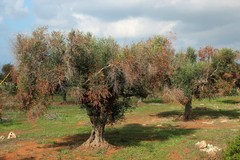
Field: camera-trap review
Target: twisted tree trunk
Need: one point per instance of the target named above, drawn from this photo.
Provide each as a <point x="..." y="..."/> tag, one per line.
<point x="96" y="139"/>
<point x="188" y="111"/>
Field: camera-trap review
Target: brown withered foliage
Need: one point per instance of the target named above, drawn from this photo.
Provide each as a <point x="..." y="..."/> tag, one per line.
<point x="38" y="72"/>
<point x="206" y="53"/>
<point x="174" y="95"/>
<point x="148" y="63"/>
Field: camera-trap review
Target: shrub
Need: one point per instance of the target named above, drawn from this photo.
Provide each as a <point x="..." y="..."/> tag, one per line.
<point x="233" y="150"/>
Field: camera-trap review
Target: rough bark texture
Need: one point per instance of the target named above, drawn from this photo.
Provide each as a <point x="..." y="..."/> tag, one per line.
<point x="188" y="111"/>
<point x="96" y="139"/>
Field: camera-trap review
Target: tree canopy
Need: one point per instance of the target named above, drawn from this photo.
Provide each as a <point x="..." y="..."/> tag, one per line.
<point x="102" y="75"/>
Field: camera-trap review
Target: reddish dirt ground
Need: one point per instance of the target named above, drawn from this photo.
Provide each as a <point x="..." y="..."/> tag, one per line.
<point x="28" y="150"/>
<point x="31" y="150"/>
<point x="175" y="156"/>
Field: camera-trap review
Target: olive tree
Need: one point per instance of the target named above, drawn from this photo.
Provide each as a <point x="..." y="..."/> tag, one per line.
<point x="186" y="80"/>
<point x="152" y="60"/>
<point x="103" y="74"/>
<point x="191" y="78"/>
<point x="227" y="71"/>
<point x="39" y="68"/>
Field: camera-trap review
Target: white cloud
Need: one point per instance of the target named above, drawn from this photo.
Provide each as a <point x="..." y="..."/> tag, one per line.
<point x="87" y="23"/>
<point x="125" y="28"/>
<point x="139" y="27"/>
<point x="195" y="22"/>
<point x="14" y="8"/>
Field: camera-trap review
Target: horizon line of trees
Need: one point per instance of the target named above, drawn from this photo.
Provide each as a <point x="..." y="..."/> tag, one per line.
<point x="102" y="76"/>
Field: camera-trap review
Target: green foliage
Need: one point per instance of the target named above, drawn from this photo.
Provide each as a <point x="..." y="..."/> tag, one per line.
<point x="6" y="68"/>
<point x="191" y="54"/>
<point x="187" y="76"/>
<point x="225" y="61"/>
<point x="8" y="88"/>
<point x="215" y="74"/>
<point x="226" y="71"/>
<point x="233" y="150"/>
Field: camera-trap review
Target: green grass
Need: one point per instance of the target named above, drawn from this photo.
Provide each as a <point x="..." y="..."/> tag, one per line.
<point x="149" y="132"/>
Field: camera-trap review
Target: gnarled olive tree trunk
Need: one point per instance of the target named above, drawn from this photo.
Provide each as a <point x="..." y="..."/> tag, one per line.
<point x="188" y="110"/>
<point x="96" y="139"/>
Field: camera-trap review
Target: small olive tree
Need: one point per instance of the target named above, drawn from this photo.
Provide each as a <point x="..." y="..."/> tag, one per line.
<point x="187" y="80"/>
<point x="191" y="78"/>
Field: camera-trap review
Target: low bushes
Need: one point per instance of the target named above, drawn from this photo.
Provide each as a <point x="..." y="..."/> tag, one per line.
<point x="233" y="150"/>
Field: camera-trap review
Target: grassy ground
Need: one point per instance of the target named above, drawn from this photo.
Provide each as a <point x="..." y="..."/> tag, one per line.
<point x="150" y="131"/>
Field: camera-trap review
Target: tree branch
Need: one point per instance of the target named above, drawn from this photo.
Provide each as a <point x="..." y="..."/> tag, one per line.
<point x="110" y="65"/>
<point x="5" y="78"/>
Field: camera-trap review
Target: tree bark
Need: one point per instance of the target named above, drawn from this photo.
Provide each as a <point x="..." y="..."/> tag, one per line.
<point x="188" y="111"/>
<point x="64" y="96"/>
<point x="96" y="139"/>
<point x="0" y="114"/>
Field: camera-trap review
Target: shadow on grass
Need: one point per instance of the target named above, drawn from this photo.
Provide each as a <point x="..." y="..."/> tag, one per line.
<point x="9" y="122"/>
<point x="133" y="134"/>
<point x="213" y="114"/>
<point x="128" y="135"/>
<point x="229" y="101"/>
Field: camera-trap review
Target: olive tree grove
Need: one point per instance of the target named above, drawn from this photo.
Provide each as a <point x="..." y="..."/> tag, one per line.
<point x="103" y="75"/>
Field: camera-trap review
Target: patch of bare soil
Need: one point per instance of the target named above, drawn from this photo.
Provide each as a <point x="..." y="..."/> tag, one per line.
<point x="31" y="150"/>
<point x="174" y="155"/>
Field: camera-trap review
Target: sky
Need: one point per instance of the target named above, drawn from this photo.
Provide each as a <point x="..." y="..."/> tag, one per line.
<point x="195" y="23"/>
